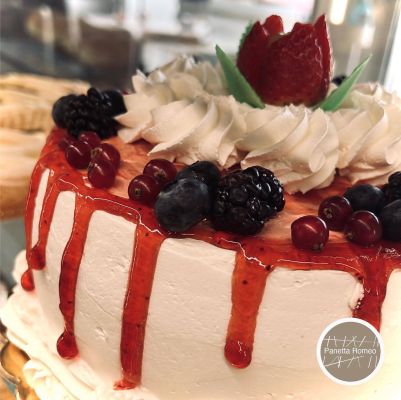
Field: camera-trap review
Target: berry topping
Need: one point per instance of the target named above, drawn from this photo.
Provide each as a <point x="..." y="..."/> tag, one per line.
<point x="335" y="211"/>
<point x="363" y="228"/>
<point x="78" y="154"/>
<point x="59" y="109"/>
<point x="392" y="190"/>
<point x="162" y="170"/>
<point x="309" y="233"/>
<point x="365" y="197"/>
<point x="106" y="152"/>
<point x="390" y="217"/>
<point x="338" y="80"/>
<point x="144" y="188"/>
<point x="204" y="171"/>
<point x="66" y="141"/>
<point x="182" y="204"/>
<point x="245" y="200"/>
<point x="287" y="68"/>
<point x="116" y="101"/>
<point x="91" y="138"/>
<point x="91" y="112"/>
<point x="101" y="174"/>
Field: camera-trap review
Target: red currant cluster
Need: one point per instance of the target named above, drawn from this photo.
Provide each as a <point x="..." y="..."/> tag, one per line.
<point x="156" y="175"/>
<point x="101" y="159"/>
<point x="337" y="214"/>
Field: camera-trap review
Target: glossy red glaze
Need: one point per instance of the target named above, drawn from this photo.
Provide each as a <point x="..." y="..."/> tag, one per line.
<point x="256" y="256"/>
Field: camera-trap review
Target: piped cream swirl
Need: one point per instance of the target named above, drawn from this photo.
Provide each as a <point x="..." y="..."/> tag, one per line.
<point x="184" y="110"/>
<point x="180" y="79"/>
<point x="299" y="145"/>
<point x="369" y="134"/>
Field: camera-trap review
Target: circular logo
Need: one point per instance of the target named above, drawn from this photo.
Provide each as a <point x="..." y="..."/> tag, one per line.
<point x="350" y="351"/>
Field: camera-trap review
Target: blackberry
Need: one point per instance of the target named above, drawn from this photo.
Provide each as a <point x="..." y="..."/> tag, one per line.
<point x="91" y="112"/>
<point x="245" y="200"/>
<point x="392" y="189"/>
<point x="59" y="108"/>
<point x="116" y="100"/>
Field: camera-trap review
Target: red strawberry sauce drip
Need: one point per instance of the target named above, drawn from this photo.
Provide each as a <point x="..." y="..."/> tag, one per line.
<point x="256" y="258"/>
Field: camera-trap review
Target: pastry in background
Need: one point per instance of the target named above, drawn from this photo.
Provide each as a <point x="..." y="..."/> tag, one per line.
<point x="25" y="120"/>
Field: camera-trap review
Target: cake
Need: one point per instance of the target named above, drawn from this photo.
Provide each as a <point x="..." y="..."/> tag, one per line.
<point x="118" y="302"/>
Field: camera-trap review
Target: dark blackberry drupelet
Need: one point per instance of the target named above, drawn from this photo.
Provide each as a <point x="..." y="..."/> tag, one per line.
<point x="245" y="200"/>
<point x="59" y="109"/>
<point x="91" y="112"/>
<point x="392" y="189"/>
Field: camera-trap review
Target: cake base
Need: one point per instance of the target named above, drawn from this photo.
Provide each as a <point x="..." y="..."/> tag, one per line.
<point x="53" y="377"/>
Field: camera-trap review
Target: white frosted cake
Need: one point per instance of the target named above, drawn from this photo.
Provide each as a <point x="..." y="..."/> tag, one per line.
<point x="116" y="304"/>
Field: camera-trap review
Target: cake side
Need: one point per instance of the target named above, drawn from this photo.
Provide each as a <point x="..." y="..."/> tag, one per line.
<point x="86" y="318"/>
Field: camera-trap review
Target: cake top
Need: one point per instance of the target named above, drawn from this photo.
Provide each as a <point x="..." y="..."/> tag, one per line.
<point x="213" y="118"/>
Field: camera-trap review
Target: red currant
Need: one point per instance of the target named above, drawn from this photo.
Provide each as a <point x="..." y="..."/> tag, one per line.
<point x="91" y="138"/>
<point x="309" y="232"/>
<point x="335" y="211"/>
<point x="78" y="154"/>
<point x="101" y="174"/>
<point x="107" y="152"/>
<point x="162" y="170"/>
<point x="66" y="141"/>
<point x="144" y="188"/>
<point x="363" y="228"/>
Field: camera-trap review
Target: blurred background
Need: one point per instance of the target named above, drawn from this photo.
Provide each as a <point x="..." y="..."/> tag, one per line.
<point x="104" y="41"/>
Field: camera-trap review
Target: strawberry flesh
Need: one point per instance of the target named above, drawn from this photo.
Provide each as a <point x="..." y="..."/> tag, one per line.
<point x="291" y="68"/>
<point x="251" y="55"/>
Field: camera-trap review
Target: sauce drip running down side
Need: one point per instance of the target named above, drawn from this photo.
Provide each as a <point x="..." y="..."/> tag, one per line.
<point x="256" y="258"/>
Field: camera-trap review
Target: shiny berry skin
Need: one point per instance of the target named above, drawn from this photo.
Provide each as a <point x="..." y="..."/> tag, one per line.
<point x="59" y="109"/>
<point x="309" y="233"/>
<point x="162" y="170"/>
<point x="204" y="171"/>
<point x="335" y="211"/>
<point x="107" y="152"/>
<point x="144" y="188"/>
<point x="78" y="154"/>
<point x="365" y="197"/>
<point x="66" y="141"/>
<point x="116" y="101"/>
<point x="363" y="228"/>
<point x="91" y="138"/>
<point x="101" y="174"/>
<point x="392" y="189"/>
<point x="390" y="217"/>
<point x="182" y="204"/>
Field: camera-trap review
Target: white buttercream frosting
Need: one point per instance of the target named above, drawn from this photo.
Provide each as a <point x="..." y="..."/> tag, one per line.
<point x="369" y="133"/>
<point x="298" y="144"/>
<point x="183" y="109"/>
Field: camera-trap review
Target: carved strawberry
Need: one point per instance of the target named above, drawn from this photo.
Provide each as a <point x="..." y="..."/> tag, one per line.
<point x="287" y="68"/>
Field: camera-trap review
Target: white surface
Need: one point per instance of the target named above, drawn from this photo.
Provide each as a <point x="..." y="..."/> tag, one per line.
<point x="187" y="322"/>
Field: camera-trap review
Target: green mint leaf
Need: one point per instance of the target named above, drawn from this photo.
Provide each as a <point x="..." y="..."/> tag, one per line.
<point x="335" y="99"/>
<point x="244" y="35"/>
<point x="237" y="84"/>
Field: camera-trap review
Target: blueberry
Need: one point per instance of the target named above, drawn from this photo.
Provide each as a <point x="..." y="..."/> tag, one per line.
<point x="338" y="80"/>
<point x="59" y="109"/>
<point x="182" y="204"/>
<point x="205" y="171"/>
<point x="116" y="100"/>
<point x="365" y="197"/>
<point x="390" y="218"/>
